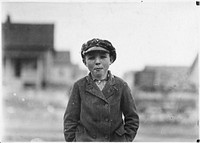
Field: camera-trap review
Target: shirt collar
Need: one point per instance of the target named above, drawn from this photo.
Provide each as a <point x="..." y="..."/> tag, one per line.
<point x="109" y="77"/>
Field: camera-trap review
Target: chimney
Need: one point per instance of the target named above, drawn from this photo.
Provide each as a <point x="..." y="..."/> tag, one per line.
<point x="8" y="19"/>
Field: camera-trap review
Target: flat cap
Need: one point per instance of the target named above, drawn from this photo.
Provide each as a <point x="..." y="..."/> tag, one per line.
<point x="98" y="45"/>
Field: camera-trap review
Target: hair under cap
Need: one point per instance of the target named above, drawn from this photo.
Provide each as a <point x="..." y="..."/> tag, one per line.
<point x="105" y="44"/>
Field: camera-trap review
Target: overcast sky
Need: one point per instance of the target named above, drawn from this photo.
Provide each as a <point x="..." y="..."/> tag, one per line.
<point x="143" y="32"/>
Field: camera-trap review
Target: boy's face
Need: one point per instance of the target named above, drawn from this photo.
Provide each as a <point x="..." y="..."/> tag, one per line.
<point x="98" y="63"/>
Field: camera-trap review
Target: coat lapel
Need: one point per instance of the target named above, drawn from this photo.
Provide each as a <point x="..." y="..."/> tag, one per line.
<point x="93" y="89"/>
<point x="107" y="91"/>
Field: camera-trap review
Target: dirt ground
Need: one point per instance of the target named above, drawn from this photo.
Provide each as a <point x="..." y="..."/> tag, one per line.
<point x="52" y="131"/>
<point x="30" y="117"/>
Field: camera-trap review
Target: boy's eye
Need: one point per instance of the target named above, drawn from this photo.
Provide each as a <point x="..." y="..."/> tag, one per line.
<point x="102" y="57"/>
<point x="91" y="57"/>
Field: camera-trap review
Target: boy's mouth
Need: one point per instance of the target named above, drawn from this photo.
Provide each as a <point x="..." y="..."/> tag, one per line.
<point x="98" y="69"/>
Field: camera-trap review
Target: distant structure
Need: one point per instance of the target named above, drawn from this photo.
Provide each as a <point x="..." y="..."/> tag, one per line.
<point x="165" y="78"/>
<point x="29" y="57"/>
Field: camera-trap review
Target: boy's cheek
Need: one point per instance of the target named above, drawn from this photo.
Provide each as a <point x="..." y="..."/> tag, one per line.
<point x="89" y="66"/>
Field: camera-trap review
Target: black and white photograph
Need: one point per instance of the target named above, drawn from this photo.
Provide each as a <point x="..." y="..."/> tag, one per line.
<point x="100" y="71"/>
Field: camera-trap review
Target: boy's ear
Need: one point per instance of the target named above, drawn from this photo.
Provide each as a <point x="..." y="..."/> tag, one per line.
<point x="111" y="59"/>
<point x="84" y="61"/>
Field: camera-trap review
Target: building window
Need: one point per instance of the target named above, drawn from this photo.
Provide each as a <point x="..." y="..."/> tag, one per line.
<point x="24" y="64"/>
<point x="17" y="66"/>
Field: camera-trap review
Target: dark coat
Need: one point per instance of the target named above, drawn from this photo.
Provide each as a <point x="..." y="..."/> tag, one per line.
<point x="94" y="115"/>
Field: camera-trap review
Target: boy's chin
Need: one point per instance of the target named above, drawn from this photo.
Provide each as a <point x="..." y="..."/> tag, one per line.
<point x="98" y="75"/>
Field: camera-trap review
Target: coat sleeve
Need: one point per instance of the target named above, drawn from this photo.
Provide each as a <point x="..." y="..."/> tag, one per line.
<point x="72" y="114"/>
<point x="131" y="117"/>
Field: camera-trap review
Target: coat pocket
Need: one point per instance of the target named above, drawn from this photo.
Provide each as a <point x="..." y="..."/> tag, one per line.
<point x="82" y="135"/>
<point x="120" y="131"/>
<point x="120" y="135"/>
<point x="79" y="129"/>
<point x="79" y="133"/>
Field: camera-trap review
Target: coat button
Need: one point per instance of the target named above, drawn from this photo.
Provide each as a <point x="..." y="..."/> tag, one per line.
<point x="107" y="119"/>
<point x="106" y="105"/>
<point x="94" y="136"/>
<point x="106" y="137"/>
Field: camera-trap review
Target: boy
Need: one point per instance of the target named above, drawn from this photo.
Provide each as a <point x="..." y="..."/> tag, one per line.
<point x="98" y="101"/>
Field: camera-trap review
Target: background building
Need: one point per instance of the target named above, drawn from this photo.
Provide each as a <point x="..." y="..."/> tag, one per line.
<point x="164" y="78"/>
<point x="29" y="57"/>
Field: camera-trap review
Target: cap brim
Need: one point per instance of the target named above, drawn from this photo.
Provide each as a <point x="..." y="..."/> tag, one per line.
<point x="96" y="49"/>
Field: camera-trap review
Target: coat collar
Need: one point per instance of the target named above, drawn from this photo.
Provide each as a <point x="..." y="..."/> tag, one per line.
<point x="110" y="78"/>
<point x="108" y="90"/>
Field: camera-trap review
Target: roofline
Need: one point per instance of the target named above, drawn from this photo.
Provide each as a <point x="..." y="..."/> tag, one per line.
<point x="8" y="21"/>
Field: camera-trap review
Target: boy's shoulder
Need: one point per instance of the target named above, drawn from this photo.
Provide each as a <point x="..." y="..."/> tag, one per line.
<point x="119" y="80"/>
<point x="81" y="80"/>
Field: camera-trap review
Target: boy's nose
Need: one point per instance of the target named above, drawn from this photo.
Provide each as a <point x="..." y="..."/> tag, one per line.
<point x="97" y="61"/>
